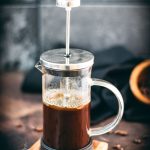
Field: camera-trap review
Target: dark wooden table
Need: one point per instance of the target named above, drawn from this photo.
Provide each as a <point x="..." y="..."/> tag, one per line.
<point x="21" y="113"/>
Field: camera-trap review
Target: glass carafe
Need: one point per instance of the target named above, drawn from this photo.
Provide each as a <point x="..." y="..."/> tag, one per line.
<point x="66" y="92"/>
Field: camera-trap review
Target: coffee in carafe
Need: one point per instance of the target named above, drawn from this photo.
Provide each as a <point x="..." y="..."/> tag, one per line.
<point x="66" y="127"/>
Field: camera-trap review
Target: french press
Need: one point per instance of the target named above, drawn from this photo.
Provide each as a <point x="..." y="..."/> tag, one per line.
<point x="66" y="94"/>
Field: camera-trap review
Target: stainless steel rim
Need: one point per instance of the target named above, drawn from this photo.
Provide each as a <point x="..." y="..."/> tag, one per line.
<point x="45" y="147"/>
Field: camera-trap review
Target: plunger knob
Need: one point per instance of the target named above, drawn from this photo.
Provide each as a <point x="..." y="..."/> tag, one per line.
<point x="67" y="3"/>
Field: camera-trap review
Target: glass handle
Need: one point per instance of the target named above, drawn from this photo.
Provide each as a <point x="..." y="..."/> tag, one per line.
<point x="102" y="130"/>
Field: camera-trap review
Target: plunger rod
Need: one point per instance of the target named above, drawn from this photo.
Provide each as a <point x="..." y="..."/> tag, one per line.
<point x="68" y="10"/>
<point x="68" y="5"/>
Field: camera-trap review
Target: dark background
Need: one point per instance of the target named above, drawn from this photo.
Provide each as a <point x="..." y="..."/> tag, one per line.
<point x="29" y="27"/>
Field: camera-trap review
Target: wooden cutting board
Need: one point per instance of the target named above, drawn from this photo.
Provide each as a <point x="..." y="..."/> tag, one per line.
<point x="97" y="145"/>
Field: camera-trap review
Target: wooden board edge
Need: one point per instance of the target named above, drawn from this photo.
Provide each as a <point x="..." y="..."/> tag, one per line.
<point x="97" y="145"/>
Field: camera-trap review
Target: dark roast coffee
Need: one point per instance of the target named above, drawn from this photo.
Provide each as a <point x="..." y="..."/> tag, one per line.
<point x="66" y="128"/>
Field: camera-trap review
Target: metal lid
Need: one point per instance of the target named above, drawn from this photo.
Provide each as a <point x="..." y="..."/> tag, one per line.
<point x="55" y="59"/>
<point x="67" y="3"/>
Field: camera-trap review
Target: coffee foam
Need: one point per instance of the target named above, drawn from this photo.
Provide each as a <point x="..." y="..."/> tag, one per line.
<point x="59" y="99"/>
